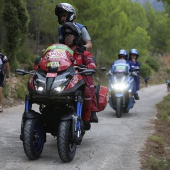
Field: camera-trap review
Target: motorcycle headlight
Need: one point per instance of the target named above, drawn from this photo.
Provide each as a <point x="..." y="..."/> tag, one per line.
<point x="40" y="88"/>
<point x="59" y="88"/>
<point x="119" y="86"/>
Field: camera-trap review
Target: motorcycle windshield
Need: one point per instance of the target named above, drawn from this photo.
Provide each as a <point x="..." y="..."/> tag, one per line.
<point x="56" y="58"/>
<point x="120" y="66"/>
<point x="59" y="47"/>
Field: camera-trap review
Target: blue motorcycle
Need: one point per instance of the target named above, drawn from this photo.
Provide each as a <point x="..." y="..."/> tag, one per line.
<point x="121" y="86"/>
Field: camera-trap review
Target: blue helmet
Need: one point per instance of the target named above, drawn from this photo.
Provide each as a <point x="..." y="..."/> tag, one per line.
<point x="123" y="52"/>
<point x="133" y="51"/>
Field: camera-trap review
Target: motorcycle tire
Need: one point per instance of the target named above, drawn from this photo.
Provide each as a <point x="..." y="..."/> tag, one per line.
<point x="66" y="146"/>
<point x="125" y="111"/>
<point x="119" y="109"/>
<point x="33" y="138"/>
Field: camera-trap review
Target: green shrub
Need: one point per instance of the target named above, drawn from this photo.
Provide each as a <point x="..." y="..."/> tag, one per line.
<point x="21" y="92"/>
<point x="153" y="64"/>
<point x="158" y="164"/>
<point x="158" y="139"/>
<point x="26" y="57"/>
<point x="168" y="71"/>
<point x="22" y="87"/>
<point x="145" y="70"/>
<point x="6" y="90"/>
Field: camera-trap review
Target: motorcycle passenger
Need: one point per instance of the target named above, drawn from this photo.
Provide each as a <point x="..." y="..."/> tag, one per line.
<point x="66" y="13"/>
<point x="133" y="56"/>
<point x="72" y="37"/>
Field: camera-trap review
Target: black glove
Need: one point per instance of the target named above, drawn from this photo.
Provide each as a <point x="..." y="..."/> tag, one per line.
<point x="81" y="49"/>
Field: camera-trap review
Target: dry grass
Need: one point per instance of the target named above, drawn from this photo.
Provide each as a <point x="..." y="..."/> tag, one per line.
<point x="156" y="154"/>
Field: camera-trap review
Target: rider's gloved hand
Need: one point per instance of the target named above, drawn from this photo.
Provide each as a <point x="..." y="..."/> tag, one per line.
<point x="91" y="66"/>
<point x="134" y="73"/>
<point x="81" y="49"/>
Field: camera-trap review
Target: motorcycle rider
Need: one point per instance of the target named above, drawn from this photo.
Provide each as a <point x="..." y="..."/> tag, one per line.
<point x="123" y="54"/>
<point x="66" y="13"/>
<point x="133" y="56"/>
<point x="72" y="38"/>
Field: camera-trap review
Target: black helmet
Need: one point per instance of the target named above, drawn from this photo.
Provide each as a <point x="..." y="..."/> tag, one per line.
<point x="65" y="7"/>
<point x="70" y="28"/>
<point x="133" y="51"/>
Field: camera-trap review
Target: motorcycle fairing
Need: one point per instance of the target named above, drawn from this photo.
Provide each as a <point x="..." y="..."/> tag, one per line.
<point x="111" y="103"/>
<point x="131" y="103"/>
<point x="74" y="81"/>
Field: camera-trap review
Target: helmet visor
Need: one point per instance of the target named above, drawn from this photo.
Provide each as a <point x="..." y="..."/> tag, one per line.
<point x="122" y="56"/>
<point x="63" y="14"/>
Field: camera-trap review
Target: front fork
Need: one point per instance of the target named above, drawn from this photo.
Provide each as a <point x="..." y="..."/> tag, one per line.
<point x="79" y="114"/>
<point x="77" y="121"/>
<point x="28" y="104"/>
<point x="28" y="107"/>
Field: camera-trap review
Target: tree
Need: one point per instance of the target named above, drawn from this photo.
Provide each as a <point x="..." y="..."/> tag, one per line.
<point x="15" y="18"/>
<point x="158" y="30"/>
<point x="43" y="26"/>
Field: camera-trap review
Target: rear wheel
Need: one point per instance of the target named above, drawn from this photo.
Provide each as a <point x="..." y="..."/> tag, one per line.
<point x="33" y="138"/>
<point x="119" y="108"/>
<point x="66" y="146"/>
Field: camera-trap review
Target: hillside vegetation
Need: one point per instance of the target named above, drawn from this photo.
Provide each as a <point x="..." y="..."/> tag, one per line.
<point x="116" y="25"/>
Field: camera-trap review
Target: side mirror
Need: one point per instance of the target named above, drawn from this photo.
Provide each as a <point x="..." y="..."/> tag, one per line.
<point x="20" y="71"/>
<point x="23" y="72"/>
<point x="103" y="69"/>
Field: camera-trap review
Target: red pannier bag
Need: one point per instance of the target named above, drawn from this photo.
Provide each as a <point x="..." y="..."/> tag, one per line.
<point x="102" y="96"/>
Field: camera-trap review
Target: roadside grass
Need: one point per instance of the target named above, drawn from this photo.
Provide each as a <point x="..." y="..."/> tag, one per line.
<point x="156" y="153"/>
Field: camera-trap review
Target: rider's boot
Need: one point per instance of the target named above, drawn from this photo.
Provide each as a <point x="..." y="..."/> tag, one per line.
<point x="94" y="117"/>
<point x="87" y="125"/>
<point x="136" y="96"/>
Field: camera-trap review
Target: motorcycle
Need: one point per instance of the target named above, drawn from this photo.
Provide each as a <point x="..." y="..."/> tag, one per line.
<point x="121" y="84"/>
<point x="57" y="87"/>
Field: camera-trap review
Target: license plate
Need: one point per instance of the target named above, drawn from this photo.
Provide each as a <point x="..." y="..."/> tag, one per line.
<point x="51" y="75"/>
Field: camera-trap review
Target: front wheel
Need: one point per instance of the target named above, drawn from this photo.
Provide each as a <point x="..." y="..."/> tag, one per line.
<point x="33" y="138"/>
<point x="119" y="108"/>
<point x="65" y="144"/>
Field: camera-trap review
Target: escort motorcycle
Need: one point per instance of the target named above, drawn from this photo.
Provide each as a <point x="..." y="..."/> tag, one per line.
<point x="121" y="84"/>
<point x="57" y="87"/>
